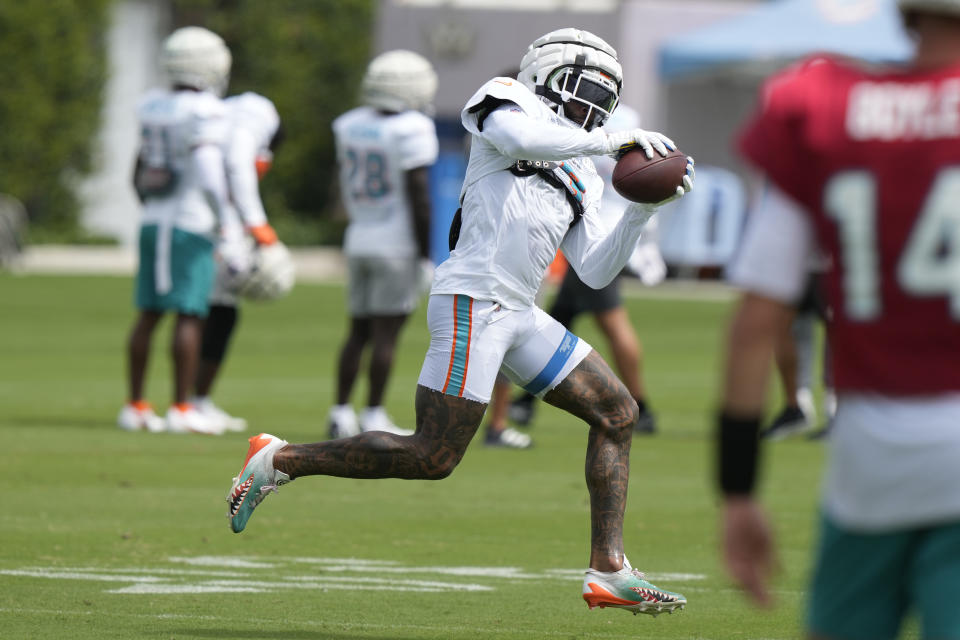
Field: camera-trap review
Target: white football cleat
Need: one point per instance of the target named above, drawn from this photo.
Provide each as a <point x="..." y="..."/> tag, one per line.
<point x="342" y="422"/>
<point x="628" y="589"/>
<point x="186" y="419"/>
<point x="376" y="419"/>
<point x="137" y="416"/>
<point x="218" y="416"/>
<point x="255" y="481"/>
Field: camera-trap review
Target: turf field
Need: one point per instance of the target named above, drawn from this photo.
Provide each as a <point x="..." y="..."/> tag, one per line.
<point x="107" y="534"/>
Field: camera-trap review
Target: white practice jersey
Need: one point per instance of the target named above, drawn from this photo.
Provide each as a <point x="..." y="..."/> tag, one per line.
<point x="183" y="132"/>
<point x="253" y="123"/>
<point x="512" y="225"/>
<point x="374" y="151"/>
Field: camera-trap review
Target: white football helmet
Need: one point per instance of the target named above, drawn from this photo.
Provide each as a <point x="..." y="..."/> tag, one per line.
<point x="271" y="274"/>
<point x="196" y="57"/>
<point x="575" y="72"/>
<point x="400" y="80"/>
<point x="950" y="7"/>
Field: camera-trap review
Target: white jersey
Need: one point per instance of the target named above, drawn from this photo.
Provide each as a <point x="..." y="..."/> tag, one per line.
<point x="182" y="132"/>
<point x="253" y="123"/>
<point x="511" y="225"/>
<point x="374" y="151"/>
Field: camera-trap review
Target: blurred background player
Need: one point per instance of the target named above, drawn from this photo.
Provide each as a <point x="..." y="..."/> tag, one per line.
<point x="254" y="135"/>
<point x="384" y="151"/>
<point x="864" y="164"/>
<point x="181" y="180"/>
<point x="795" y="358"/>
<point x="574" y="297"/>
<point x="516" y="213"/>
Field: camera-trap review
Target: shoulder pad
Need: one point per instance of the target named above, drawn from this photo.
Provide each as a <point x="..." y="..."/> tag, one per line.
<point x="493" y="94"/>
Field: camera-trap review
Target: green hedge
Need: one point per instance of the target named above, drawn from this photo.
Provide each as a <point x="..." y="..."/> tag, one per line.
<point x="308" y="57"/>
<point x="53" y="78"/>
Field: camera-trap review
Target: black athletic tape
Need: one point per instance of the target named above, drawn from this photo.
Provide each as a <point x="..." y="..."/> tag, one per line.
<point x="217" y="331"/>
<point x="738" y="449"/>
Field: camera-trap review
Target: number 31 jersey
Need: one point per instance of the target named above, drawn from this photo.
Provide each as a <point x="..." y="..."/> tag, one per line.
<point x="874" y="159"/>
<point x="374" y="151"/>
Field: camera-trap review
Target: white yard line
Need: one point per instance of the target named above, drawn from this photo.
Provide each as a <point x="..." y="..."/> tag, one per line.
<point x="446" y="629"/>
<point x="234" y="574"/>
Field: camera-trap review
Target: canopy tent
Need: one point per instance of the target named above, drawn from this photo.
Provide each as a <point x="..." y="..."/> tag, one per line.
<point x="790" y="29"/>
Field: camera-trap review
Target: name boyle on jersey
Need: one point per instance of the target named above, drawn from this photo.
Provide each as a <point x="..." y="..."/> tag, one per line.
<point x="895" y="111"/>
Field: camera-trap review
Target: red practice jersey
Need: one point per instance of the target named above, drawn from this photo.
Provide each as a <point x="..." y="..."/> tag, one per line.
<point x="874" y="159"/>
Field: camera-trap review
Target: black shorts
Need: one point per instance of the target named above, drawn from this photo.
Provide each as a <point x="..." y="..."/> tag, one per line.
<point x="575" y="297"/>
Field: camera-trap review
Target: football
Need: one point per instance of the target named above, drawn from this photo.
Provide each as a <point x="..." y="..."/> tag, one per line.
<point x="639" y="179"/>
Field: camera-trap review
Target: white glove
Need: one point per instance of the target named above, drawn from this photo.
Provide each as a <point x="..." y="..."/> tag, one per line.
<point x="620" y="142"/>
<point x="647" y="263"/>
<point x="426" y="275"/>
<point x="687" y="185"/>
<point x="645" y="210"/>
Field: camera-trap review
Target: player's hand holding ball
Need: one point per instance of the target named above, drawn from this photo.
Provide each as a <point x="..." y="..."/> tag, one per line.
<point x="619" y="142"/>
<point x="647" y="178"/>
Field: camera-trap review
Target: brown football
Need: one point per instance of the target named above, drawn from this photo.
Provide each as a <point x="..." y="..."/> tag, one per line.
<point x="641" y="180"/>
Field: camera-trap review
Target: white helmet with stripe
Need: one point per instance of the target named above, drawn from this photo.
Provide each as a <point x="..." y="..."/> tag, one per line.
<point x="576" y="72"/>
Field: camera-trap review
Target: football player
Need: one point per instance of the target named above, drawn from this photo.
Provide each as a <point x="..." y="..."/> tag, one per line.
<point x="254" y="135"/>
<point x="384" y="151"/>
<point x="864" y="164"/>
<point x="182" y="183"/>
<point x="530" y="189"/>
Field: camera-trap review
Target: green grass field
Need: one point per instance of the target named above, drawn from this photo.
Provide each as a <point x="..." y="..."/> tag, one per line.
<point x="107" y="534"/>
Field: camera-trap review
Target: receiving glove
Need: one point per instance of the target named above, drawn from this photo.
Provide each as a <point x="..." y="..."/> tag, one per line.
<point x="619" y="142"/>
<point x="687" y="185"/>
<point x="644" y="210"/>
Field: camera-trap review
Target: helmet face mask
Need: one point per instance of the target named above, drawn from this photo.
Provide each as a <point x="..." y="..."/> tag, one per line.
<point x="587" y="96"/>
<point x="576" y="73"/>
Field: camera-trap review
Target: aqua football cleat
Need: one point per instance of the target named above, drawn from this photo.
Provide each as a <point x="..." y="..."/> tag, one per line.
<point x="255" y="481"/>
<point x="628" y="589"/>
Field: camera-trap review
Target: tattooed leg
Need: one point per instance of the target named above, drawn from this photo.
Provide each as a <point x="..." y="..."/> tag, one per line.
<point x="593" y="393"/>
<point x="445" y="426"/>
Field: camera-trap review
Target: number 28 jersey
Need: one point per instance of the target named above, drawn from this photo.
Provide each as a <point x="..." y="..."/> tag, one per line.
<point x="374" y="151"/>
<point x="874" y="159"/>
